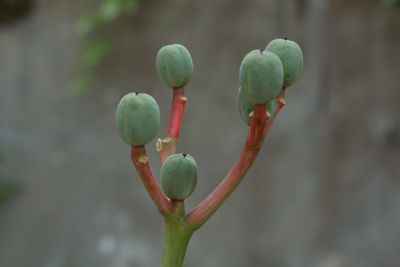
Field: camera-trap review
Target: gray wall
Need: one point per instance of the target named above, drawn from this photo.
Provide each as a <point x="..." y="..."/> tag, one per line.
<point x="324" y="191"/>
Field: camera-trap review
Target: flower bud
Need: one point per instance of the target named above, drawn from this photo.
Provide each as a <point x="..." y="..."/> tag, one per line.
<point x="174" y="65"/>
<point x="291" y="56"/>
<point x="178" y="176"/>
<point x="138" y="118"/>
<point x="246" y="107"/>
<point x="261" y="76"/>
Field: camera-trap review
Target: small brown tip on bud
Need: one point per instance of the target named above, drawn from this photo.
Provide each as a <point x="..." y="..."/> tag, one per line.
<point x="184" y="154"/>
<point x="285" y="38"/>
<point x="136" y="93"/>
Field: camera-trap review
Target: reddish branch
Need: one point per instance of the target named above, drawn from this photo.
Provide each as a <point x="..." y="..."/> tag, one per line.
<point x="257" y="132"/>
<point x="199" y="215"/>
<point x="280" y="104"/>
<point x="167" y="146"/>
<point x="142" y="165"/>
<point x="177" y="107"/>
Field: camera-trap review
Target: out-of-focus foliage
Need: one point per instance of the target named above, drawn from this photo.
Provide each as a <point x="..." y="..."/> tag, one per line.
<point x="99" y="48"/>
<point x="7" y="189"/>
<point x="390" y="2"/>
<point x="108" y="11"/>
<point x="94" y="52"/>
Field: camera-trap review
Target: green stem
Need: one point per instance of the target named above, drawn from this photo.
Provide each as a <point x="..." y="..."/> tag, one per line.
<point x="177" y="236"/>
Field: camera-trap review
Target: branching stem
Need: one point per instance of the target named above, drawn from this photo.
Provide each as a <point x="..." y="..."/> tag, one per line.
<point x="200" y="214"/>
<point x="177" y="236"/>
<point x="179" y="227"/>
<point x="257" y="132"/>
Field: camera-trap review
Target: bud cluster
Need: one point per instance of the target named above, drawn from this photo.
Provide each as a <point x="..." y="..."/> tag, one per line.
<point x="263" y="77"/>
<point x="263" y="74"/>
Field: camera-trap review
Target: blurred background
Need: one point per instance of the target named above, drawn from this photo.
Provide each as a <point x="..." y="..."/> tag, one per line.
<point x="324" y="191"/>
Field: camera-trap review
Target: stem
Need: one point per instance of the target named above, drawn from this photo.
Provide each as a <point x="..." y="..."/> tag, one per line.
<point x="281" y="104"/>
<point x="142" y="165"/>
<point x="177" y="108"/>
<point x="199" y="215"/>
<point x="168" y="145"/>
<point x="177" y="236"/>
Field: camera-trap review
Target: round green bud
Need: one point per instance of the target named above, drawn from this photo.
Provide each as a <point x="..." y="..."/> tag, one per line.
<point x="261" y="76"/>
<point x="291" y="56"/>
<point x="174" y="65"/>
<point x="178" y="176"/>
<point x="138" y="118"/>
<point x="246" y="107"/>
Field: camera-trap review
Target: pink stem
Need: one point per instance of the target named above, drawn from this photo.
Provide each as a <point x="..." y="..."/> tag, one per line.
<point x="177" y="108"/>
<point x="281" y="103"/>
<point x="168" y="145"/>
<point x="142" y="165"/>
<point x="200" y="214"/>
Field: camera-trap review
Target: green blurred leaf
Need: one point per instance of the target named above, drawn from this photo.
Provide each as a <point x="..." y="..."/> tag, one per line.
<point x="80" y="84"/>
<point x="110" y="9"/>
<point x="130" y="6"/>
<point x="390" y="2"/>
<point x="88" y="23"/>
<point x="96" y="52"/>
<point x="7" y="189"/>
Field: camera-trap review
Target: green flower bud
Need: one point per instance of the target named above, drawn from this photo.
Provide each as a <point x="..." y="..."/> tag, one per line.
<point x="138" y="118"/>
<point x="261" y="76"/>
<point x="178" y="176"/>
<point x="174" y="65"/>
<point x="246" y="107"/>
<point x="291" y="56"/>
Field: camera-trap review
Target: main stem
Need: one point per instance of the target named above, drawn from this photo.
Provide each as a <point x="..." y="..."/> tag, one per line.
<point x="177" y="236"/>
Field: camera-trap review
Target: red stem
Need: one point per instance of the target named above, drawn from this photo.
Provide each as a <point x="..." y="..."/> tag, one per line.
<point x="168" y="145"/>
<point x="281" y="103"/>
<point x="177" y="107"/>
<point x="142" y="165"/>
<point x="200" y="214"/>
